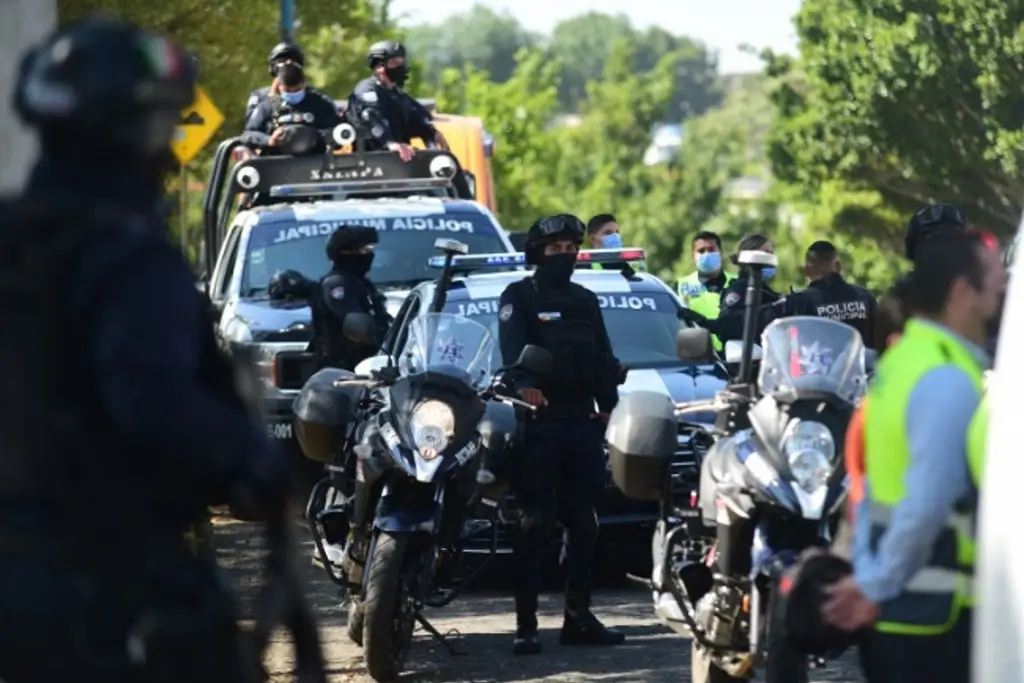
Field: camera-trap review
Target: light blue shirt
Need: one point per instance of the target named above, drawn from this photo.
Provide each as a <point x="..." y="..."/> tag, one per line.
<point x="938" y="413"/>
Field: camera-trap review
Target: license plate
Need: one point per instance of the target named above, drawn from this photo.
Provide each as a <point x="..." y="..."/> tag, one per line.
<point x="280" y="430"/>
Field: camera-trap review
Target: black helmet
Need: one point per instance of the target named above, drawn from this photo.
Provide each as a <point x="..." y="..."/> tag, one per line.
<point x="383" y="50"/>
<point x="930" y="221"/>
<point x="289" y="284"/>
<point x="109" y="83"/>
<point x="550" y="229"/>
<point x="350" y="237"/>
<point x="284" y="51"/>
<point x="802" y="594"/>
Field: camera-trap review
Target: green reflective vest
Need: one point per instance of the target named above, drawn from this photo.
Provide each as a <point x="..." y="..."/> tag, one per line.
<point x="977" y="440"/>
<point x="696" y="297"/>
<point x="932" y="599"/>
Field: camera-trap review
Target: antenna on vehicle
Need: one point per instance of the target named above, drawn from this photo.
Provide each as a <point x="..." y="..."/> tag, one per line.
<point x="450" y="249"/>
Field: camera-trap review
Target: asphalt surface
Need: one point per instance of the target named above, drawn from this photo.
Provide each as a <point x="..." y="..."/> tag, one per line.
<point x="485" y="624"/>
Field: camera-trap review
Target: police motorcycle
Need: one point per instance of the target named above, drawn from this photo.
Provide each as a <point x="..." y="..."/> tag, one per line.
<point x="776" y="469"/>
<point x="418" y="426"/>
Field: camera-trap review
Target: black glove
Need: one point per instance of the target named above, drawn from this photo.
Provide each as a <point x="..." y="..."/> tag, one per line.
<point x="693" y="317"/>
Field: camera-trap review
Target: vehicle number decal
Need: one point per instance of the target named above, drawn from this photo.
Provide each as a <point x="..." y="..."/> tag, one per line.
<point x="280" y="430"/>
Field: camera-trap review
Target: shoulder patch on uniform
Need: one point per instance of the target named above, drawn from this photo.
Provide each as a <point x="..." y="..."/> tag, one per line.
<point x="505" y="313"/>
<point x="338" y="293"/>
<point x="369" y="97"/>
<point x="732" y="298"/>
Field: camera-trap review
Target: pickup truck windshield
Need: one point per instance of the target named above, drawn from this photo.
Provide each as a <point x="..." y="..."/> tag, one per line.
<point x="406" y="243"/>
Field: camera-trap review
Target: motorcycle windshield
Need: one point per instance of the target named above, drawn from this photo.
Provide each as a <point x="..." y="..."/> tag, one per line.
<point x="442" y="342"/>
<point x="805" y="355"/>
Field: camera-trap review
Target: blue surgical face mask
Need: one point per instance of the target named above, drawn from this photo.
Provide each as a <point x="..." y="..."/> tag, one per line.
<point x="612" y="241"/>
<point x="769" y="273"/>
<point x="293" y="97"/>
<point x="708" y="262"/>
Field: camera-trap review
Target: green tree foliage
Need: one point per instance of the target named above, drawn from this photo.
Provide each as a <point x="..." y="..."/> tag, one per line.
<point x="232" y="39"/>
<point x="480" y="38"/>
<point x="920" y="100"/>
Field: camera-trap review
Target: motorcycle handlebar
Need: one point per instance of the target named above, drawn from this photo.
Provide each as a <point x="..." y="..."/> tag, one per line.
<point x="514" y="402"/>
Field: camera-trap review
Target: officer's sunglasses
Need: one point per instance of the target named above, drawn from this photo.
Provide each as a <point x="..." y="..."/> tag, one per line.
<point x="553" y="226"/>
<point x="939" y="214"/>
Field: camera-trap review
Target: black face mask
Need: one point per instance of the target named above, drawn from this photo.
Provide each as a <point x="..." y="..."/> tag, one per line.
<point x="290" y="75"/>
<point x="556" y="269"/>
<point x="397" y="74"/>
<point x="356" y="264"/>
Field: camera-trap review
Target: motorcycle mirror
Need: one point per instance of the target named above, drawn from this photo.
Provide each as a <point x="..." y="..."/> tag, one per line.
<point x="535" y="360"/>
<point x="693" y="343"/>
<point x="359" y="327"/>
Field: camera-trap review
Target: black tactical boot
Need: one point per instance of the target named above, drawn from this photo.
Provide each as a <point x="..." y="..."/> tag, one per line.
<point x="581" y="627"/>
<point x="526" y="642"/>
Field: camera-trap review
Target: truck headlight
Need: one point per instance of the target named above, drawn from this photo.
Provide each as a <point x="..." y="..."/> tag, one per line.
<point x="811" y="450"/>
<point x="432" y="424"/>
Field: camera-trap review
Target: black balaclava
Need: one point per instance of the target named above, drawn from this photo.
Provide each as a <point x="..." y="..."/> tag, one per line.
<point x="397" y="74"/>
<point x="555" y="269"/>
<point x="356" y="264"/>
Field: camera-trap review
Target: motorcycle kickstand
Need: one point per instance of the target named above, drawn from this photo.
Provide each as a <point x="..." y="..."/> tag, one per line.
<point x="445" y="639"/>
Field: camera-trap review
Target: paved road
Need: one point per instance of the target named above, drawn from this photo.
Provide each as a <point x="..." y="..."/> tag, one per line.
<point x="652" y="654"/>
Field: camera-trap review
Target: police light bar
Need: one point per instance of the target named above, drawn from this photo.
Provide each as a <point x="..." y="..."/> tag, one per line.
<point x="484" y="261"/>
<point x="358" y="187"/>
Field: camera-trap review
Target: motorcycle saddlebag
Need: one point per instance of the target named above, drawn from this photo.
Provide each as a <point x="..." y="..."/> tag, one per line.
<point x="642" y="439"/>
<point x="323" y="412"/>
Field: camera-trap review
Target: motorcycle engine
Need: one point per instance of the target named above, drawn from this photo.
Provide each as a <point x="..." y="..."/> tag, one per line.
<point x="719" y="614"/>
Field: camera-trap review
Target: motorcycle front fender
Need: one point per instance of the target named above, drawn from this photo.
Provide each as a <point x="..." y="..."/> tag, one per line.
<point x="409" y="507"/>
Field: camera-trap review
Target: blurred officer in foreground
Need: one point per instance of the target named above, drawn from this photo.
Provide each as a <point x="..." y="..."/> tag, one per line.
<point x="121" y="418"/>
<point x="914" y="498"/>
<point x="279" y="54"/>
<point x="733" y="295"/>
<point x="294" y="104"/>
<point x="840" y="300"/>
<point x="379" y="106"/>
<point x="701" y="291"/>
<point x="346" y="289"/>
<point x="564" y="451"/>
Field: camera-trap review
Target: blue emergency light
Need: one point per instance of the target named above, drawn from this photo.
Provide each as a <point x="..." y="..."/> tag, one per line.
<point x="485" y="261"/>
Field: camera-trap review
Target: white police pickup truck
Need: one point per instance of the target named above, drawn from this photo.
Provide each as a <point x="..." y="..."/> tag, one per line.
<point x="289" y="206"/>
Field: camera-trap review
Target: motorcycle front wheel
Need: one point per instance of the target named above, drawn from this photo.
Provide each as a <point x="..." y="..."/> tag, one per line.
<point x="389" y="612"/>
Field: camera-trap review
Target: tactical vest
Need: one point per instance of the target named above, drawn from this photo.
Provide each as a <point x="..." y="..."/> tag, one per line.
<point x="330" y="345"/>
<point x="697" y="298"/>
<point x="933" y="598"/>
<point x="561" y="321"/>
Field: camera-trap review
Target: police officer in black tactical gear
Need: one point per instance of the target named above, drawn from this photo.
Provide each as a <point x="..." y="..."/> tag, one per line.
<point x="116" y="397"/>
<point x="295" y="104"/>
<point x="840" y="300"/>
<point x="346" y="289"/>
<point x="389" y="116"/>
<point x="279" y="54"/>
<point x="563" y="458"/>
<point x="732" y="300"/>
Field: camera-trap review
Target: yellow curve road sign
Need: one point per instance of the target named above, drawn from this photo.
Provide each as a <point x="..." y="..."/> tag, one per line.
<point x="198" y="124"/>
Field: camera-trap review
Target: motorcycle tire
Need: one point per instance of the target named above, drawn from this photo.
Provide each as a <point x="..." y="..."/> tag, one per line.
<point x="356" y="620"/>
<point x="386" y="634"/>
<point x="703" y="670"/>
<point x="783" y="662"/>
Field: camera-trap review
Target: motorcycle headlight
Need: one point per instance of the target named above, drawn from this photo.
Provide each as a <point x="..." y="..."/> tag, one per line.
<point x="432" y="424"/>
<point x="811" y="450"/>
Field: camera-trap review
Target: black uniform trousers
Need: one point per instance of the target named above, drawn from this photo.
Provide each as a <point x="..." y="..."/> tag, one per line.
<point x="891" y="658"/>
<point x="560" y="475"/>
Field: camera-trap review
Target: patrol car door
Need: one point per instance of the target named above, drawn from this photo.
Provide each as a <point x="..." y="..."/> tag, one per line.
<point x="223" y="273"/>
